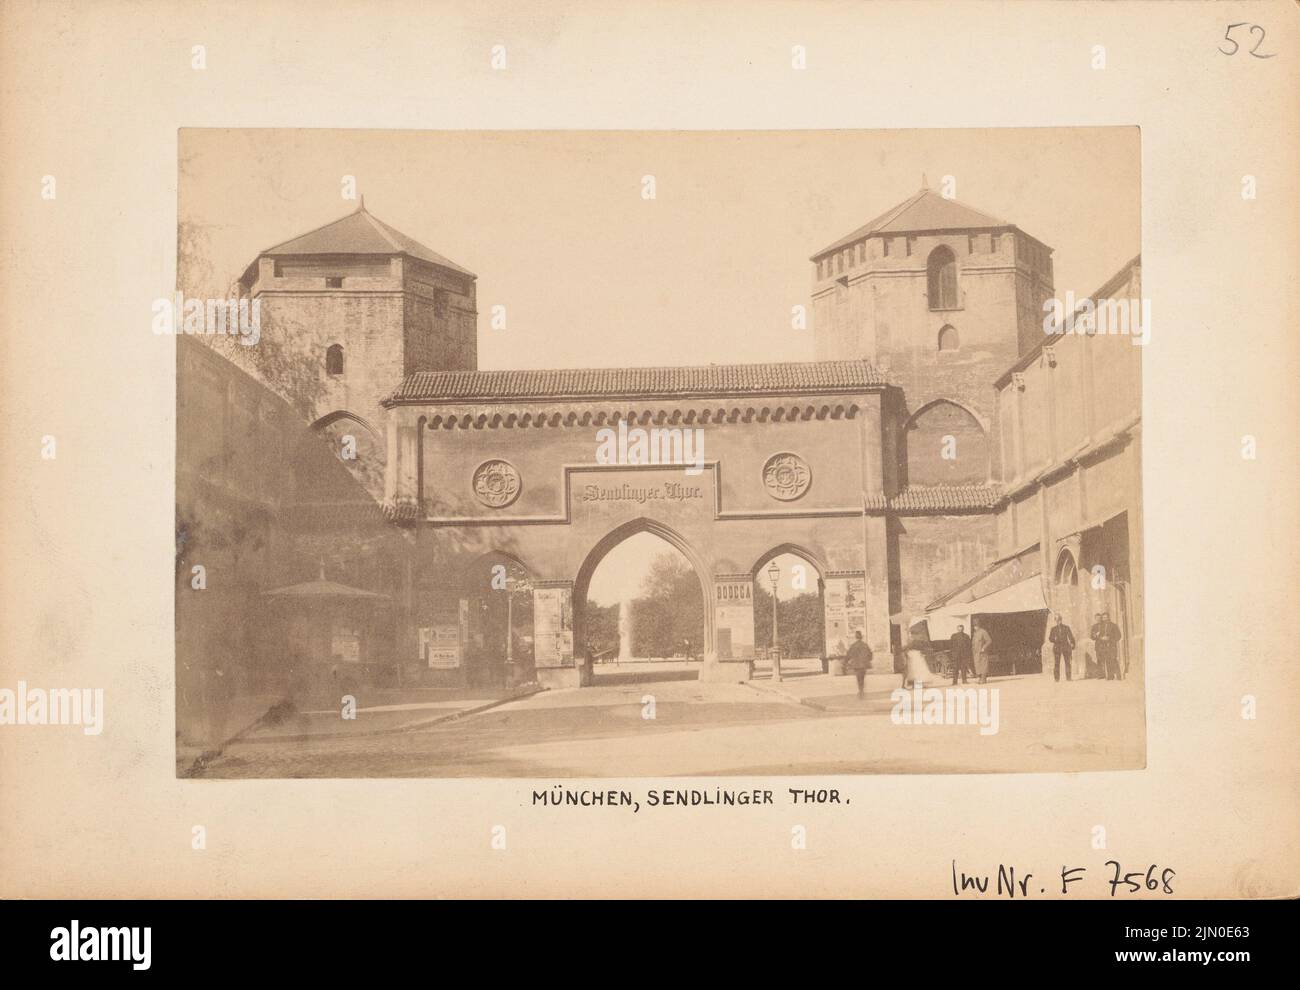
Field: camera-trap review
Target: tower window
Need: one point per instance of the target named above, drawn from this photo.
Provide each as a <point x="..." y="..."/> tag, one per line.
<point x="941" y="278"/>
<point x="334" y="359"/>
<point x="948" y="340"/>
<point x="334" y="282"/>
<point x="439" y="303"/>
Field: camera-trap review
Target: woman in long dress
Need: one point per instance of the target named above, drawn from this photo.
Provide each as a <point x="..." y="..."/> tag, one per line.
<point x="914" y="666"/>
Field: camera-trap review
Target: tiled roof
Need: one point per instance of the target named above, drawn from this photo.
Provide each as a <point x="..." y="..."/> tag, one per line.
<point x="926" y="210"/>
<point x="584" y="383"/>
<point x="930" y="498"/>
<point x="361" y="233"/>
<point x="333" y="515"/>
<point x="402" y="509"/>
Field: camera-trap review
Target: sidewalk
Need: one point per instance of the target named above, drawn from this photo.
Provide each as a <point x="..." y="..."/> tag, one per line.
<point x="1041" y="725"/>
<point x="827" y="693"/>
<point x="840" y="694"/>
<point x="267" y="718"/>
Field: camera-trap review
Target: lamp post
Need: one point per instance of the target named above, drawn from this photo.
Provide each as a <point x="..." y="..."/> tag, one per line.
<point x="510" y="621"/>
<point x="774" y="574"/>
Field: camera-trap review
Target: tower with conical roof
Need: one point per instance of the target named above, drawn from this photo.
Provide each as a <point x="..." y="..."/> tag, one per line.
<point x="348" y="310"/>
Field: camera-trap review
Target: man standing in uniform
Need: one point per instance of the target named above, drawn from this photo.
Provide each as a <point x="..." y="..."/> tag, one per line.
<point x="959" y="650"/>
<point x="1111" y="636"/>
<point x="1062" y="640"/>
<point x="858" y="659"/>
<point x="1094" y="633"/>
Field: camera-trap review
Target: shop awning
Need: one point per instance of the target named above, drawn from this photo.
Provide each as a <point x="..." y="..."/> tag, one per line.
<point x="1012" y="584"/>
<point x="321" y="588"/>
<point x="1023" y="596"/>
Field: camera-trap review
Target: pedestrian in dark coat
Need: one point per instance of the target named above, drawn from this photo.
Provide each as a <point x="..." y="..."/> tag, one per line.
<point x="858" y="659"/>
<point x="1062" y="640"/>
<point x="960" y="651"/>
<point x="1110" y="636"/>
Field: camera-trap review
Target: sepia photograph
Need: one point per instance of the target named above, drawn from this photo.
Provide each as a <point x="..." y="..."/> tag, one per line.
<point x="648" y="451"/>
<point x="676" y="453"/>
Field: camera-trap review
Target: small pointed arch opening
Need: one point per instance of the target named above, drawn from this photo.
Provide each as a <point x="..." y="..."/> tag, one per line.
<point x="948" y="338"/>
<point x="945" y="444"/>
<point x="941" y="278"/>
<point x="334" y="359"/>
<point x="1067" y="572"/>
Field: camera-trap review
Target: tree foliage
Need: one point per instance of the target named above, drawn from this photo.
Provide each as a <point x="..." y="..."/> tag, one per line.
<point x="800" y="625"/>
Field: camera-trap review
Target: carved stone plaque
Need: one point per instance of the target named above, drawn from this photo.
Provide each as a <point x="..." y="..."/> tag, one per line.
<point x="786" y="476"/>
<point x="496" y="483"/>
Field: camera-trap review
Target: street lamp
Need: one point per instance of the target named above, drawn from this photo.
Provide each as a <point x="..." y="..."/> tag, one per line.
<point x="510" y="622"/>
<point x="774" y="574"/>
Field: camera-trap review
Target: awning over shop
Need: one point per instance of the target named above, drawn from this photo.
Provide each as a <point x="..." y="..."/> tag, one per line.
<point x="1012" y="584"/>
<point x="1024" y="596"/>
<point x="321" y="588"/>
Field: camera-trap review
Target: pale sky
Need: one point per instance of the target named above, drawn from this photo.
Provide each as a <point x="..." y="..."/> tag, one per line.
<point x="592" y="275"/>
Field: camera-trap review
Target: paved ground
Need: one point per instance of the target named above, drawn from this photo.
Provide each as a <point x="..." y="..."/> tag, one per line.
<point x="662" y="722"/>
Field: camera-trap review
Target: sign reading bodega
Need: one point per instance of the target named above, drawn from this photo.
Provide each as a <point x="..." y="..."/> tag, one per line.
<point x="658" y="445"/>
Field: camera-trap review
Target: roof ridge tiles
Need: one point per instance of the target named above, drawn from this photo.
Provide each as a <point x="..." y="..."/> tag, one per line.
<point x="579" y="383"/>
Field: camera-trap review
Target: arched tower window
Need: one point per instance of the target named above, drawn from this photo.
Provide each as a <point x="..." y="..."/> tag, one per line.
<point x="948" y="340"/>
<point x="334" y="359"/>
<point x="941" y="278"/>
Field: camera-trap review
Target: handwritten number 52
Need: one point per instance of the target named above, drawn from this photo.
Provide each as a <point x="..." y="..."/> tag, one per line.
<point x="1227" y="36"/>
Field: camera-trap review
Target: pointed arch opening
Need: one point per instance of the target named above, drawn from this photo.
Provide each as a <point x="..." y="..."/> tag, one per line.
<point x="789" y="611"/>
<point x="643" y="606"/>
<point x="945" y="445"/>
<point x="1067" y="571"/>
<point x="494" y="609"/>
